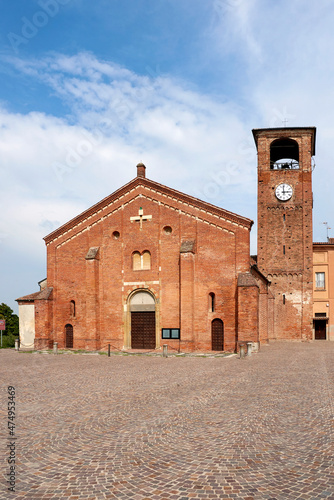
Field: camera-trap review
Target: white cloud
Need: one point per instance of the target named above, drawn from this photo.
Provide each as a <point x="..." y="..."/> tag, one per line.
<point x="54" y="168"/>
<point x="131" y="114"/>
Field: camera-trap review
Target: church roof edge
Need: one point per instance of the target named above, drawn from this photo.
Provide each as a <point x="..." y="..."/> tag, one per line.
<point x="323" y="243"/>
<point x="255" y="269"/>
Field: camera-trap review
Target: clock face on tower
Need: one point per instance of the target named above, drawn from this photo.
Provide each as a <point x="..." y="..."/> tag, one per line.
<point x="283" y="192"/>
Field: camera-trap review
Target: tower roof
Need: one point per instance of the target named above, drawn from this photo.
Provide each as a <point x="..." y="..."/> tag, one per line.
<point x="278" y="132"/>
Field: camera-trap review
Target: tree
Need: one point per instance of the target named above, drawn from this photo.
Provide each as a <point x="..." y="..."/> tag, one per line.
<point x="12" y="326"/>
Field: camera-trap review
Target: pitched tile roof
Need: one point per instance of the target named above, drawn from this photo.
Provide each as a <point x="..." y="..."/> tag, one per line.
<point x="42" y="295"/>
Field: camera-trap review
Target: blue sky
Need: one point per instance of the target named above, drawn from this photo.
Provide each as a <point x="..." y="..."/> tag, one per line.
<point x="89" y="89"/>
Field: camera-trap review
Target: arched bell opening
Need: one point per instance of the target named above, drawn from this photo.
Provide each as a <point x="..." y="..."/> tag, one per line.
<point x="284" y="154"/>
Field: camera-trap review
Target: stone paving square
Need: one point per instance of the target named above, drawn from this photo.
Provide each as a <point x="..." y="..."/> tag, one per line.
<point x="146" y="427"/>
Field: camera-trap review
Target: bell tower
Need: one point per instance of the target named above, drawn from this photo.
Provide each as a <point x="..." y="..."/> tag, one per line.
<point x="285" y="240"/>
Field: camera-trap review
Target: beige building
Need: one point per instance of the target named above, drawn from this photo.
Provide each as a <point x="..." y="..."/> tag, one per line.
<point x="323" y="290"/>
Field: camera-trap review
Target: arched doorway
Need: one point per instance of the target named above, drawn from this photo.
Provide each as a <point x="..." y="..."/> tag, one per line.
<point x="217" y="335"/>
<point x="142" y="308"/>
<point x="69" y="336"/>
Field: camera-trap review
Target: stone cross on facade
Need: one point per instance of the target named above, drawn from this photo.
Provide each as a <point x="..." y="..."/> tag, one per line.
<point x="140" y="217"/>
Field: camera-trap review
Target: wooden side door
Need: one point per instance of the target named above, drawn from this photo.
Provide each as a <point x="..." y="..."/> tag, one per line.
<point x="320" y="329"/>
<point x="217" y="335"/>
<point x="69" y="336"/>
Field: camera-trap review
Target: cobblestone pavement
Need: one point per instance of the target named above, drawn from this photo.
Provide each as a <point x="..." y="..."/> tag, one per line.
<point x="135" y="427"/>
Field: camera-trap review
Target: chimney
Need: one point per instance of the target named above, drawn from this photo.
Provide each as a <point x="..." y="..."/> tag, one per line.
<point x="141" y="170"/>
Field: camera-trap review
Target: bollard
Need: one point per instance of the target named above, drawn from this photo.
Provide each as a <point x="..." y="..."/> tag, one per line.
<point x="165" y="351"/>
<point x="249" y="348"/>
<point x="55" y="348"/>
<point x="108" y="350"/>
<point x="17" y="344"/>
<point x="255" y="346"/>
<point x="242" y="351"/>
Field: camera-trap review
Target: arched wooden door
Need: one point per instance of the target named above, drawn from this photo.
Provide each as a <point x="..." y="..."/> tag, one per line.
<point x="217" y="335"/>
<point x="69" y="336"/>
<point x="143" y="334"/>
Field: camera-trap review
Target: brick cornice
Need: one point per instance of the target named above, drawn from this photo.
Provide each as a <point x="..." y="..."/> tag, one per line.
<point x="322" y="244"/>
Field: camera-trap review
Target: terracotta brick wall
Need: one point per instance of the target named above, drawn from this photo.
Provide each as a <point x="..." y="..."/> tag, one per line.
<point x="248" y="313"/>
<point x="43" y="322"/>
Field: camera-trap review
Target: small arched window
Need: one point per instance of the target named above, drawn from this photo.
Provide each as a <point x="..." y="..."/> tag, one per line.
<point x="136" y="261"/>
<point x="141" y="261"/>
<point x="146" y="260"/>
<point x="212" y="302"/>
<point x="72" y="305"/>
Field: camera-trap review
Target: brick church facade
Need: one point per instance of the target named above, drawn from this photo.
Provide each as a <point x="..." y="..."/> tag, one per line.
<point x="149" y="265"/>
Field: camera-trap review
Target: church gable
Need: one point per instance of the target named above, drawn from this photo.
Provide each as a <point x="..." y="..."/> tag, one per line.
<point x="144" y="188"/>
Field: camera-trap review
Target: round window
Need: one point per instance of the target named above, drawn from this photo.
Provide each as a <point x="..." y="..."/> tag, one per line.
<point x="116" y="235"/>
<point x="168" y="230"/>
